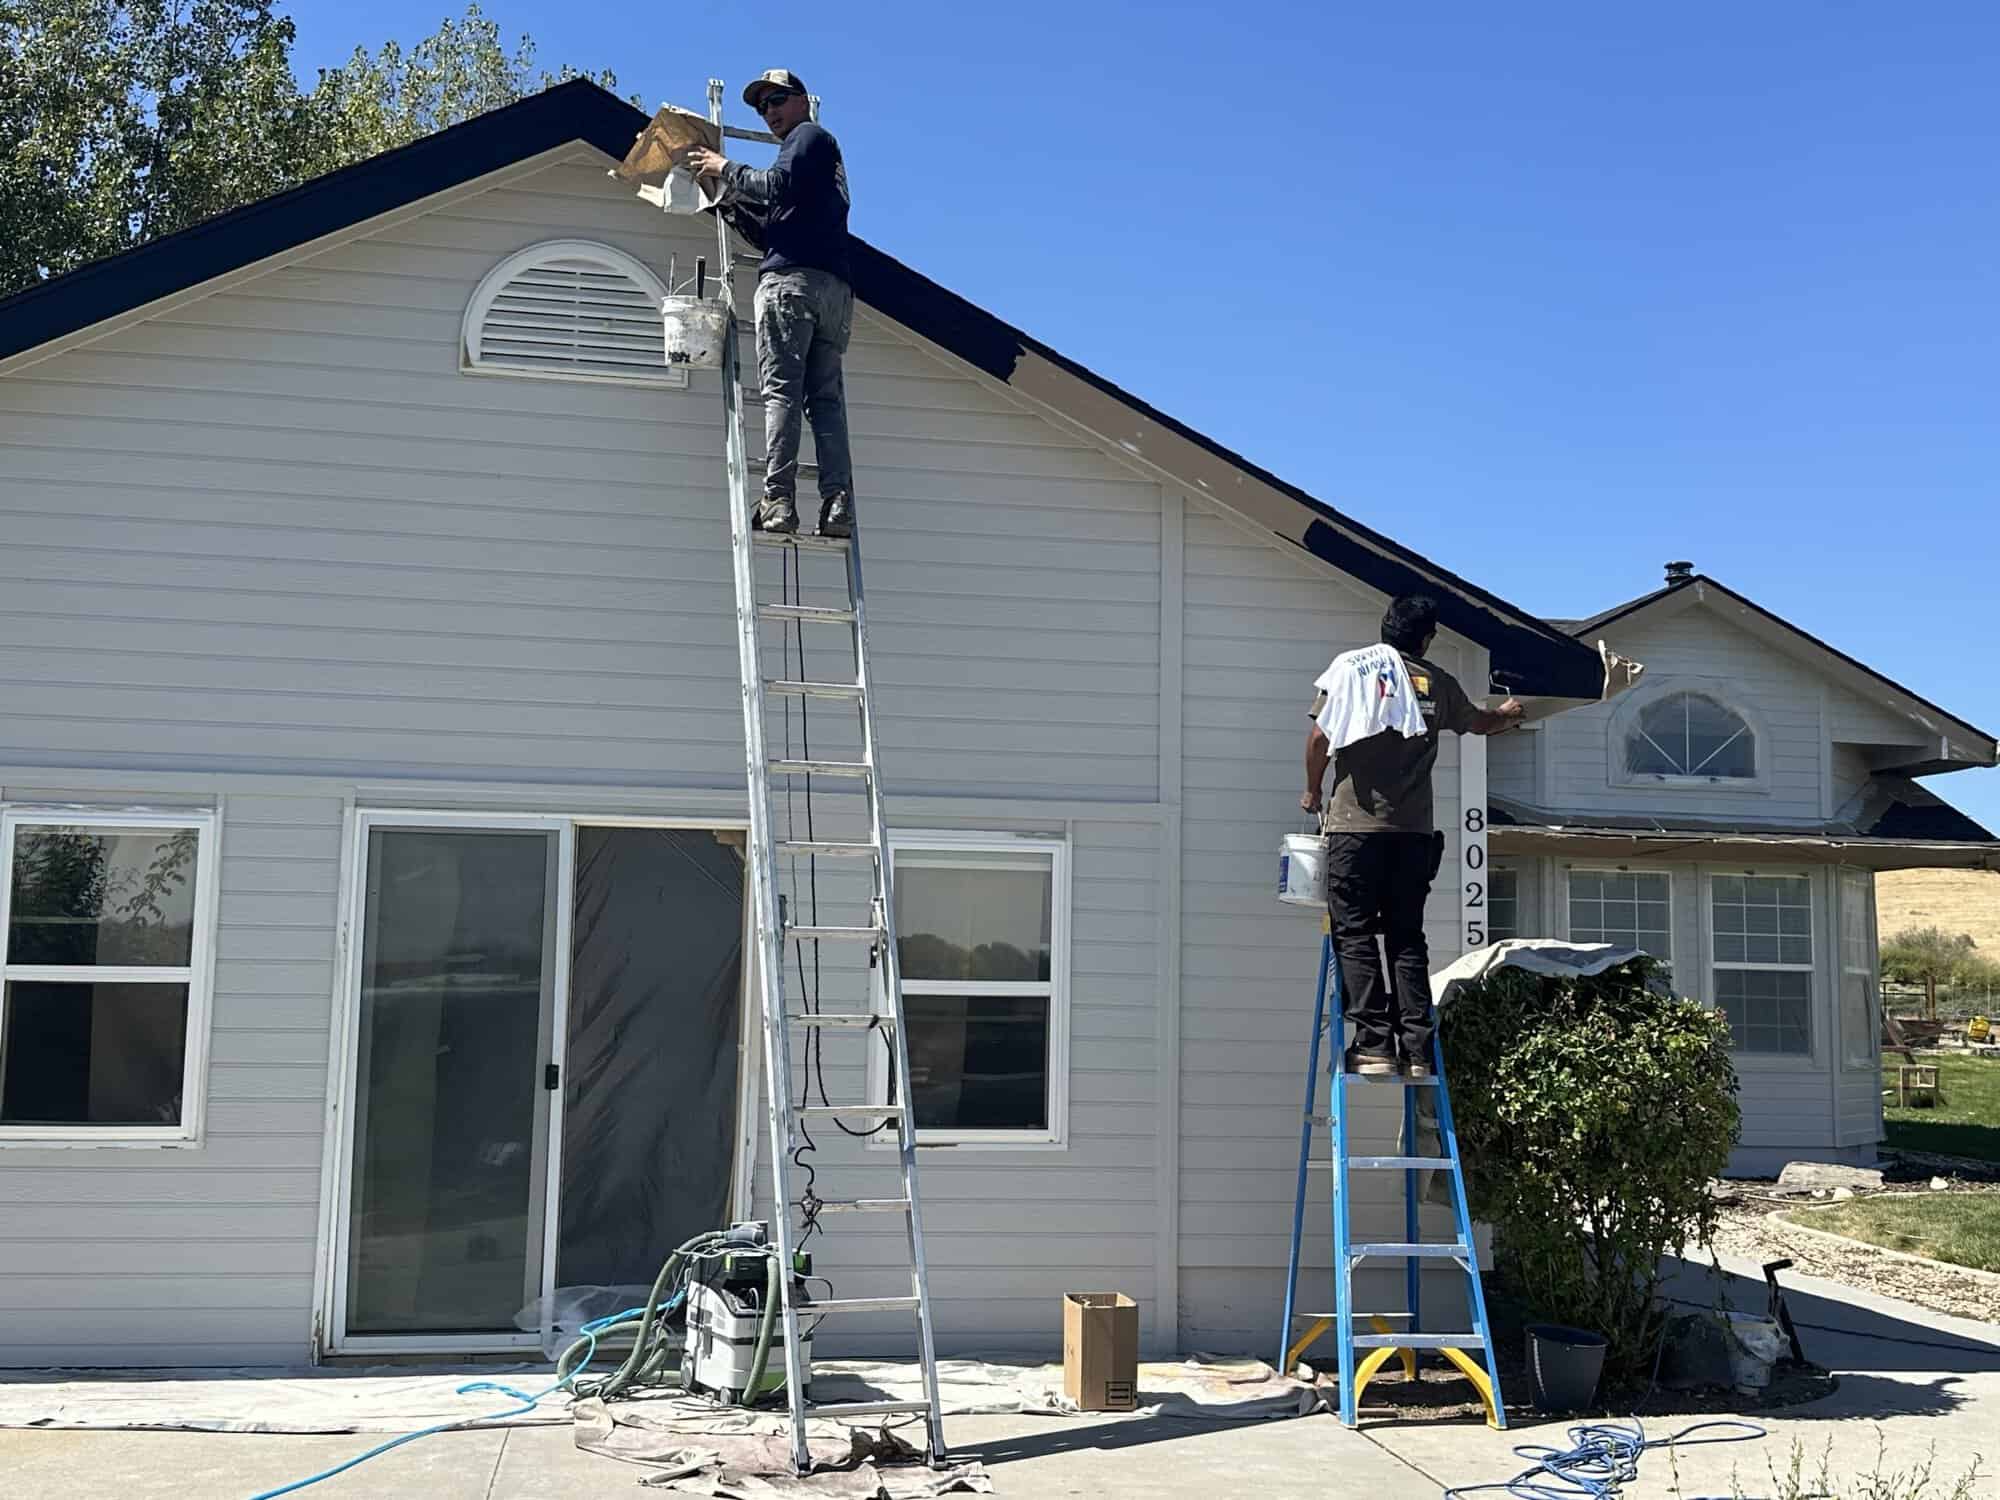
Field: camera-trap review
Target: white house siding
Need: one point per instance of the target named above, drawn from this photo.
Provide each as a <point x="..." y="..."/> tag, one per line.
<point x="1261" y="624"/>
<point x="277" y="533"/>
<point x="1801" y="712"/>
<point x="278" y="530"/>
<point x="1008" y="1231"/>
<point x="203" y="1255"/>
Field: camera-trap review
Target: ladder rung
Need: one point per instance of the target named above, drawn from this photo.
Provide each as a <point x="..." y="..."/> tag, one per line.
<point x="857" y="1304"/>
<point x="811" y="614"/>
<point x="1413" y="1252"/>
<point x="799" y="539"/>
<point x="863" y="1206"/>
<point x="1360" y="1317"/>
<point x="835" y="1410"/>
<point x="1414" y="1083"/>
<point x="834" y="934"/>
<point x="852" y="1111"/>
<point x="1399" y="1163"/>
<point x="821" y="768"/>
<point x="846" y="1019"/>
<point x="826" y="849"/>
<point x="1419" y="1341"/>
<point x="786" y="687"/>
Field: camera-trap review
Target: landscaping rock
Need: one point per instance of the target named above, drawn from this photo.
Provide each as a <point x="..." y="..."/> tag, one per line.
<point x="1697" y="1353"/>
<point x="1802" y="1177"/>
<point x="1939" y="1185"/>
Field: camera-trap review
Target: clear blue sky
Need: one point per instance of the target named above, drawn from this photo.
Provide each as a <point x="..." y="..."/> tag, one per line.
<point x="1549" y="292"/>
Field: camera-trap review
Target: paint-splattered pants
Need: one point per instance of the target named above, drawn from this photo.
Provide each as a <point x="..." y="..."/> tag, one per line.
<point x="804" y="319"/>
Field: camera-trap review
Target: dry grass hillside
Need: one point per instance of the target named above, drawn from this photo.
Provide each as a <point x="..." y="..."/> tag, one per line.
<point x="1957" y="900"/>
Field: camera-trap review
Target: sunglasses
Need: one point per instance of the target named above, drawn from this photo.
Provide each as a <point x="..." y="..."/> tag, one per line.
<point x="772" y="100"/>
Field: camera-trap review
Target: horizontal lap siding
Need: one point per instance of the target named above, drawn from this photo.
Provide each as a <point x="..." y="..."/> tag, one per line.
<point x="1696" y="650"/>
<point x="1260" y="626"/>
<point x="202" y="1255"/>
<point x="279" y="530"/>
<point x="1008" y="1232"/>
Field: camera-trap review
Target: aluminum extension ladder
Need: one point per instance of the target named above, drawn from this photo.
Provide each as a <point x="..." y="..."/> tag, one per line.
<point x="876" y="931"/>
<point x="1383" y="1343"/>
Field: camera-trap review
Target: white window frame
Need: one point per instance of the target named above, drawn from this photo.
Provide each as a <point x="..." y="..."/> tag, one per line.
<point x="1494" y="871"/>
<point x="946" y="841"/>
<point x="1570" y="868"/>
<point x="1811" y="1058"/>
<point x="612" y="259"/>
<point x="1845" y="879"/>
<point x="1624" y="724"/>
<point x="198" y="975"/>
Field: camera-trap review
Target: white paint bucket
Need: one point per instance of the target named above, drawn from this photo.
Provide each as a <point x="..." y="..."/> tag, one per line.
<point x="1755" y="1343"/>
<point x="1302" y="870"/>
<point x="695" y="329"/>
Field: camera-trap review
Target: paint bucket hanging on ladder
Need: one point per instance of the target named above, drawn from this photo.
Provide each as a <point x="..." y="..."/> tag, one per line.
<point x="1302" y="869"/>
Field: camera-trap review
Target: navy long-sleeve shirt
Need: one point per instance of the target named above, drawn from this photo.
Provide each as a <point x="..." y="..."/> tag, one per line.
<point x="799" y="202"/>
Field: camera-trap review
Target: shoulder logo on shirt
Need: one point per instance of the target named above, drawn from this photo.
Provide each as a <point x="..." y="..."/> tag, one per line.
<point x="1421" y="681"/>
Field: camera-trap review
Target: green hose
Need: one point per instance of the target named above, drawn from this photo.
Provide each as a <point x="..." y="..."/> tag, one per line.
<point x="773" y="1288"/>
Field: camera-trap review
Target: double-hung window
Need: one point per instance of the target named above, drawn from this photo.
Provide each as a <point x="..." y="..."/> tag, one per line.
<point x="105" y="923"/>
<point x="982" y="935"/>
<point x="1761" y="928"/>
<point x="1860" y="1023"/>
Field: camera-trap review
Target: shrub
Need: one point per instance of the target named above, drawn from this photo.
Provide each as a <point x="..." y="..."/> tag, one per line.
<point x="1592" y="1114"/>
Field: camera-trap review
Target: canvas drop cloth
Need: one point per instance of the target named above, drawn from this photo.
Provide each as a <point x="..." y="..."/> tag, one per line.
<point x="404" y="1400"/>
<point x="1547" y="956"/>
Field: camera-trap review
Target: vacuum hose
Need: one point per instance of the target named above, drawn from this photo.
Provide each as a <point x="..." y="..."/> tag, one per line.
<point x="651" y="1359"/>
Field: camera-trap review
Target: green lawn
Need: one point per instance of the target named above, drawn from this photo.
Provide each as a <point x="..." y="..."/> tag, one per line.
<point x="1963" y="1228"/>
<point x="1966" y="1119"/>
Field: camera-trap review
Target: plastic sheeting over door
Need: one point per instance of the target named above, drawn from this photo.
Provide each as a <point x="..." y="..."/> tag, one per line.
<point x="655" y="1012"/>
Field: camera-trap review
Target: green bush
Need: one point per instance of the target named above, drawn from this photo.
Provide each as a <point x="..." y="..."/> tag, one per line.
<point x="1592" y="1114"/>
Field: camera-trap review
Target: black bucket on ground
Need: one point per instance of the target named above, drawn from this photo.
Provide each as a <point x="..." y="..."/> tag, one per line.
<point x="1563" y="1366"/>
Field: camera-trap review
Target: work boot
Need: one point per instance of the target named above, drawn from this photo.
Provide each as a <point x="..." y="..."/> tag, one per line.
<point x="1373" y="1064"/>
<point x="776" y="513"/>
<point x="836" y="515"/>
<point x="1417" y="1070"/>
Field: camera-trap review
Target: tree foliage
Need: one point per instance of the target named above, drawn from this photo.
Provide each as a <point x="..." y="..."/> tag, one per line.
<point x="1936" y="959"/>
<point x="1592" y="1114"/>
<point x="123" y="120"/>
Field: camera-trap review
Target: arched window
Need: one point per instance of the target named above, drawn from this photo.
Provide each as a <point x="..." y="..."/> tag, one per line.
<point x="569" y="310"/>
<point x="1690" y="734"/>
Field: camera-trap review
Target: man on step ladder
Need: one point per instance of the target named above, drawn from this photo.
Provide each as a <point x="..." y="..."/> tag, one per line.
<point x="805" y="303"/>
<point x="1377" y="719"/>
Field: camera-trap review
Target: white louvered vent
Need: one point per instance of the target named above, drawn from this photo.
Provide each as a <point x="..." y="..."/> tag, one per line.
<point x="569" y="310"/>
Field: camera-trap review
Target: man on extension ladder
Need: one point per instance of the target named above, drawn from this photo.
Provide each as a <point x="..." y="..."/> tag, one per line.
<point x="805" y="305"/>
<point x="1377" y="717"/>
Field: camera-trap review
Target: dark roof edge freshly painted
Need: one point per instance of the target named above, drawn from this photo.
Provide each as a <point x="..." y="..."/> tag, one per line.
<point x="1529" y="656"/>
<point x="1633" y="607"/>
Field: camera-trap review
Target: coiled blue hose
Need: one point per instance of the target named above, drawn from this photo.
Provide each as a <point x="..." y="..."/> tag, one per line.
<point x="591" y="1331"/>
<point x="1602" y="1457"/>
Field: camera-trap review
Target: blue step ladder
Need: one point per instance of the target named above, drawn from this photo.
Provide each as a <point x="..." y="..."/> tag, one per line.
<point x="1383" y="1343"/>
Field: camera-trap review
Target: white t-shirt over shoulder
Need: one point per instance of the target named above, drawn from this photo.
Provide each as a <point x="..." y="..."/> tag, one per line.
<point x="1365" y="693"/>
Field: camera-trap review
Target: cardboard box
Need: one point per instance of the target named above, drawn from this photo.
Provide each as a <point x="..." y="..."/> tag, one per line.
<point x="1101" y="1351"/>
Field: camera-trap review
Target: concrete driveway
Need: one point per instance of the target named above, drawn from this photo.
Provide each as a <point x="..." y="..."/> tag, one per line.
<point x="1911" y="1382"/>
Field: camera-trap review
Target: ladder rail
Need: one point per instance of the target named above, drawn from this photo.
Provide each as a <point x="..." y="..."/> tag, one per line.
<point x="763" y="871"/>
<point x="1329" y="975"/>
<point x="1462" y="1213"/>
<point x="890" y="976"/>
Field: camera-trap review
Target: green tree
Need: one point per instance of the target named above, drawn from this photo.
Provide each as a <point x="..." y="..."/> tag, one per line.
<point x="123" y="120"/>
<point x="1931" y="957"/>
<point x="377" y="101"/>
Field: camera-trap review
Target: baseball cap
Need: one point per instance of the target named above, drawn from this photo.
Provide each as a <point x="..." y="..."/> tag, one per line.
<point x="764" y="83"/>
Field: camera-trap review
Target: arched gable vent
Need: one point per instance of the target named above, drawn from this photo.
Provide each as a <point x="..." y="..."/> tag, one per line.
<point x="569" y="310"/>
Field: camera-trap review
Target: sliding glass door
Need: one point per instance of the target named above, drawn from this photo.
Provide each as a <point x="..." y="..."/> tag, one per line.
<point x="449" y="1133"/>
